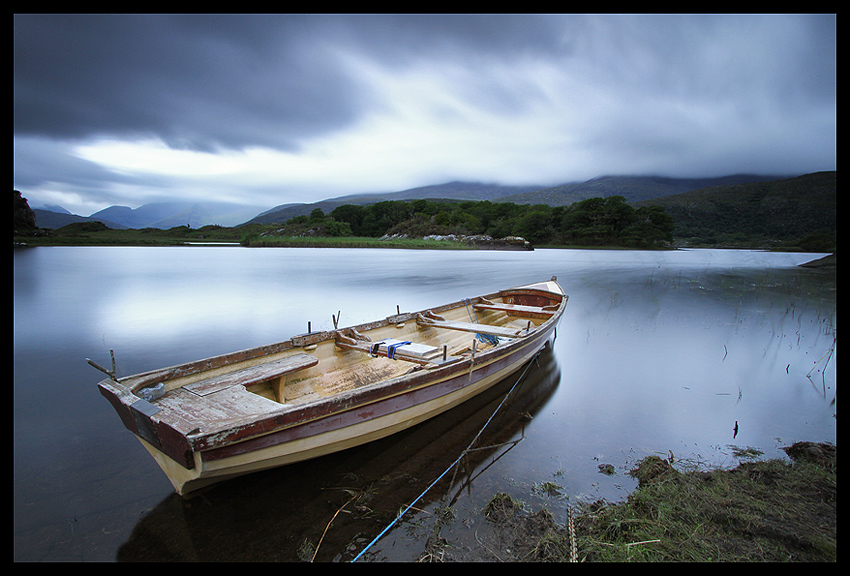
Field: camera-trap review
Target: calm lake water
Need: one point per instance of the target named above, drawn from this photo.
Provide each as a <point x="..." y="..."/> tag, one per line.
<point x="657" y="352"/>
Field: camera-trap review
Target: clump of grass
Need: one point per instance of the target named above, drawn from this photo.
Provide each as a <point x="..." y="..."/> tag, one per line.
<point x="306" y="551"/>
<point x="525" y="537"/>
<point x="550" y="489"/>
<point x="501" y="507"/>
<point x="760" y="511"/>
<point x="746" y="452"/>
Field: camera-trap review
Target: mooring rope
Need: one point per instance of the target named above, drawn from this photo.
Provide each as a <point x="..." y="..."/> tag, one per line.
<point x="453" y="464"/>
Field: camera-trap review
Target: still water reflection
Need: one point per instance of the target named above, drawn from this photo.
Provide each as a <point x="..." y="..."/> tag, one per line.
<point x="657" y="352"/>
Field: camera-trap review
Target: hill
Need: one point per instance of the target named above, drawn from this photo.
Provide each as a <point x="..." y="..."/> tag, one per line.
<point x="448" y="191"/>
<point x="166" y="215"/>
<point x="775" y="211"/>
<point x="788" y="213"/>
<point x="52" y="219"/>
<point x="632" y="188"/>
<point x="797" y="213"/>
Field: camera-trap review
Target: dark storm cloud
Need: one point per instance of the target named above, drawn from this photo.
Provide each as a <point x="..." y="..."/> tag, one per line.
<point x="197" y="82"/>
<point x="206" y="81"/>
<point x="231" y="81"/>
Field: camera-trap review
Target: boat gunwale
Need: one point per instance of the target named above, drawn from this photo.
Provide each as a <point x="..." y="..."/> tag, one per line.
<point x="141" y="380"/>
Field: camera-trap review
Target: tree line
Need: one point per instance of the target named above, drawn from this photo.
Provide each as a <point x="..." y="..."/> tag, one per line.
<point x="607" y="221"/>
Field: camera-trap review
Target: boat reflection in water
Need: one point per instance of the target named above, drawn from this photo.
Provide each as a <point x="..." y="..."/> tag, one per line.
<point x="282" y="514"/>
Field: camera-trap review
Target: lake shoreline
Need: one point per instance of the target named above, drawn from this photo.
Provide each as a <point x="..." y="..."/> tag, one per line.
<point x="87" y="234"/>
<point x="354" y="243"/>
<point x="762" y="510"/>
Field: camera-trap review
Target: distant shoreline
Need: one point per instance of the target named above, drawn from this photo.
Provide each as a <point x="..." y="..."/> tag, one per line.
<point x="355" y="242"/>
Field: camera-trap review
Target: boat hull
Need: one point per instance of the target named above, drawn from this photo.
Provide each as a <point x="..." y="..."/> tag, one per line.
<point x="193" y="460"/>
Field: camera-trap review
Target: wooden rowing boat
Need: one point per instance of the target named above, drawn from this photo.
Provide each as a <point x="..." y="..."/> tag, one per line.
<point x="321" y="392"/>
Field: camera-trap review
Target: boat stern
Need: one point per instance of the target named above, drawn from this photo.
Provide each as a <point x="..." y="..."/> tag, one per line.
<point x="141" y="418"/>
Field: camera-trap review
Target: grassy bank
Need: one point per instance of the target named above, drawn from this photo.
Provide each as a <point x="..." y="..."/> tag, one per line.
<point x="96" y="234"/>
<point x="352" y="242"/>
<point x="252" y="235"/>
<point x="761" y="511"/>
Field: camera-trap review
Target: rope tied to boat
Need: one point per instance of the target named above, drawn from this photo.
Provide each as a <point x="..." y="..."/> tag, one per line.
<point x="391" y="348"/>
<point x="486" y="338"/>
<point x="453" y="464"/>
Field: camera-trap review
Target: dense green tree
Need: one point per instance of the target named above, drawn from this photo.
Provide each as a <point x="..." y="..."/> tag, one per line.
<point x="595" y="221"/>
<point x="353" y="215"/>
<point x="534" y="226"/>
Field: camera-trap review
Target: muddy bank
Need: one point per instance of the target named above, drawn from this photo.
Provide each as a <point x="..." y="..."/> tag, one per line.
<point x="770" y="511"/>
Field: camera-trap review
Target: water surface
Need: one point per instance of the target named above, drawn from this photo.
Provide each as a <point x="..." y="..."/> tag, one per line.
<point x="698" y="353"/>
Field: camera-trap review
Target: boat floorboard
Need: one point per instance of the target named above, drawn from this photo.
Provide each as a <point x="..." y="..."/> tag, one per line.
<point x="182" y="406"/>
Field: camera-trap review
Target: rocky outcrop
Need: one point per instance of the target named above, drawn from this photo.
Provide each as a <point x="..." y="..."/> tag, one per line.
<point x="24" y="216"/>
<point x="485" y="242"/>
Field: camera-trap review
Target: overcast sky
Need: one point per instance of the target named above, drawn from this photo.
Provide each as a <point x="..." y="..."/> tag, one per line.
<point x="270" y="109"/>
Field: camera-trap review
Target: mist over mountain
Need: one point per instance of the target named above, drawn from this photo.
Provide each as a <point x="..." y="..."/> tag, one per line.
<point x="169" y="214"/>
<point x="632" y="188"/>
<point x="162" y="215"/>
<point x="449" y="191"/>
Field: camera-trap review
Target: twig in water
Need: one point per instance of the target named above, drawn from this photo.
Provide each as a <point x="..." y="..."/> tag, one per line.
<point x="828" y="355"/>
<point x="329" y="524"/>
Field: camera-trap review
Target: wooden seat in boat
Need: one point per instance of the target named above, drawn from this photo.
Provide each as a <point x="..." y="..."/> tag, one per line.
<point x="389" y="347"/>
<point x="517" y="309"/>
<point x="253" y="374"/>
<point x="432" y="320"/>
<point x="422" y="354"/>
<point x="394" y="349"/>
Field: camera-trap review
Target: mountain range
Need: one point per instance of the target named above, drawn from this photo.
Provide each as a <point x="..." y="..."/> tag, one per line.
<point x="632" y="188"/>
<point x="162" y="215"/>
<point x="166" y="215"/>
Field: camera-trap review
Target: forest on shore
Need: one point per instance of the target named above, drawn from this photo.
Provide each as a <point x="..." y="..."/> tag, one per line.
<point x="594" y="222"/>
<point x="795" y="214"/>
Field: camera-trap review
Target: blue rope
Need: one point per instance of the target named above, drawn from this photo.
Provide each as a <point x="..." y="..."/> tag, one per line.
<point x="392" y="348"/>
<point x="446" y="471"/>
<point x="486" y="338"/>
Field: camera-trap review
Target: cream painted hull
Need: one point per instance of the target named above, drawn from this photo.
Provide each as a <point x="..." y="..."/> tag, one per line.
<point x="207" y="473"/>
